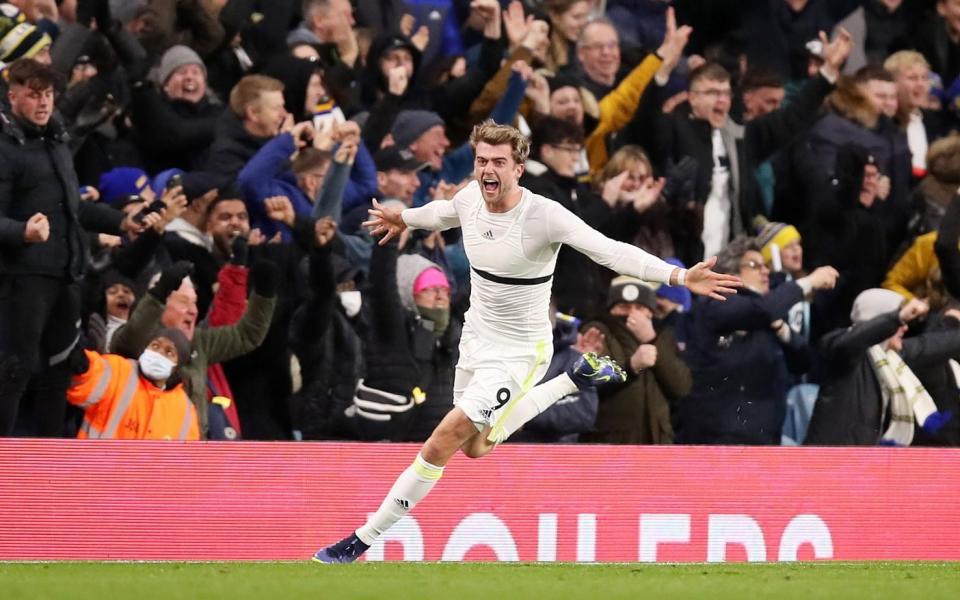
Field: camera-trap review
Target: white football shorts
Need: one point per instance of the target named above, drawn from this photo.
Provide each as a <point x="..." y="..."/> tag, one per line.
<point x="490" y="373"/>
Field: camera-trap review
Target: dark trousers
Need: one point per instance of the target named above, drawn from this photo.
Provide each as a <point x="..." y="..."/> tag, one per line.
<point x="39" y="325"/>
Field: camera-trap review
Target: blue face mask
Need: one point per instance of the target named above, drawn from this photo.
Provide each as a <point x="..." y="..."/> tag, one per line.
<point x="155" y="366"/>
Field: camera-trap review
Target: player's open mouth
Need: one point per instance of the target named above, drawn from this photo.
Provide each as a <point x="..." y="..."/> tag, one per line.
<point x="490" y="184"/>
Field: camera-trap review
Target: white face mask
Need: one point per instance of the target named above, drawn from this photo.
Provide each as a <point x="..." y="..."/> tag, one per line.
<point x="351" y="302"/>
<point x="155" y="366"/>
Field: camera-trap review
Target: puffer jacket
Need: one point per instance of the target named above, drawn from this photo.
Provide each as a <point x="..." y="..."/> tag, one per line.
<point x="37" y="175"/>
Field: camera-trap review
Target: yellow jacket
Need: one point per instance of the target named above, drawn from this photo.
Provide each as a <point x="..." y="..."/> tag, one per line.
<point x="617" y="108"/>
<point x="911" y="274"/>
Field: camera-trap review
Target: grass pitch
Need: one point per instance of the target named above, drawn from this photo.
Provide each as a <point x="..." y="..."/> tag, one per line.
<point x="465" y="581"/>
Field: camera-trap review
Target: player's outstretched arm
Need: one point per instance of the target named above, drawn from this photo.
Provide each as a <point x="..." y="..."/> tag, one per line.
<point x="700" y="279"/>
<point x="391" y="219"/>
<point x="386" y="221"/>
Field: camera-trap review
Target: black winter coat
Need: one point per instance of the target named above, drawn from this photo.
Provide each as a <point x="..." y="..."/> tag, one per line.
<point x="330" y="353"/>
<point x="172" y="133"/>
<point x="233" y="146"/>
<point x="848" y="411"/>
<point x="402" y="353"/>
<point x="848" y="236"/>
<point x="671" y="137"/>
<point x="775" y="35"/>
<point x="36" y="175"/>
<point x="739" y="369"/>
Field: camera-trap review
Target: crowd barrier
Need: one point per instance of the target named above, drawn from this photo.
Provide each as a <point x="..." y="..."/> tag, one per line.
<point x="101" y="500"/>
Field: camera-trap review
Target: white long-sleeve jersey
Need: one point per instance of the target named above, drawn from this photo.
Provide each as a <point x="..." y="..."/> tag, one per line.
<point x="513" y="254"/>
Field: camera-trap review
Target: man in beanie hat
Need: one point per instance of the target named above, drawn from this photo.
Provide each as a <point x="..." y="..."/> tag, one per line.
<point x="780" y="245"/>
<point x="174" y="117"/>
<point x="182" y="75"/>
<point x="424" y="133"/>
<point x="870" y="394"/>
<point x="26" y="41"/>
<point x="125" y="399"/>
<point x="637" y="412"/>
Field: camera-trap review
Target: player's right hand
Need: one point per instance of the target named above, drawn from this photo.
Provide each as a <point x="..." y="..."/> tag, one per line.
<point x="386" y="221"/>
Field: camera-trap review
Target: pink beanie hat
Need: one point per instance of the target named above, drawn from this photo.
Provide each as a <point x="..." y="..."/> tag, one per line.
<point x="430" y="278"/>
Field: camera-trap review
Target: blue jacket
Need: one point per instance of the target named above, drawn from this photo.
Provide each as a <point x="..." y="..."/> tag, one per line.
<point x="268" y="174"/>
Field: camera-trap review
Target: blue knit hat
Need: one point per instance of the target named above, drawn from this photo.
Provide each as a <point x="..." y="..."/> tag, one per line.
<point x="411" y="124"/>
<point x="676" y="293"/>
<point x="117" y="184"/>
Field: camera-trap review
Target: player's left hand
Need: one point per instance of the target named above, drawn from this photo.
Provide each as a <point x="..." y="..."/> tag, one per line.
<point x="702" y="280"/>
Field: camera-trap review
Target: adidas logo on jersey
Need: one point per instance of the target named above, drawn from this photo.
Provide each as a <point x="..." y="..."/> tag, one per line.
<point x="404" y="504"/>
<point x="487" y="235"/>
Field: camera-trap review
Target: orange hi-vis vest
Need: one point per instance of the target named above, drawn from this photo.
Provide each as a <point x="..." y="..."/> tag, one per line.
<point x="120" y="404"/>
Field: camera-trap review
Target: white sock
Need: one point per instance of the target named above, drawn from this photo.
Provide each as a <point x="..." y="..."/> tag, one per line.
<point x="537" y="400"/>
<point x="411" y="487"/>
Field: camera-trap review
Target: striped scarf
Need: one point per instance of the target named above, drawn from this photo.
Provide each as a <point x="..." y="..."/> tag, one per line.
<point x="903" y="395"/>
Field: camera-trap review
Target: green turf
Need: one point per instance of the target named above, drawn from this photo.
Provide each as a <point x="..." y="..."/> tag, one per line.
<point x="449" y="581"/>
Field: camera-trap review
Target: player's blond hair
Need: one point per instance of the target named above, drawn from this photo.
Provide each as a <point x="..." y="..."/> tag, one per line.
<point x="904" y="59"/>
<point x="494" y="134"/>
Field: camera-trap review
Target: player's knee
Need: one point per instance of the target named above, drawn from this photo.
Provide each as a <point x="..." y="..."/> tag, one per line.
<point x="477" y="449"/>
<point x="472" y="452"/>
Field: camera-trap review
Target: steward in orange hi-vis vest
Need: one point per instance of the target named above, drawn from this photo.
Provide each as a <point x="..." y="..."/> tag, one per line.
<point x="126" y="399"/>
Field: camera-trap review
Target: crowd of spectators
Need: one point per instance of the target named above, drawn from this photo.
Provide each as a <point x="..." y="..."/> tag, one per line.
<point x="183" y="185"/>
